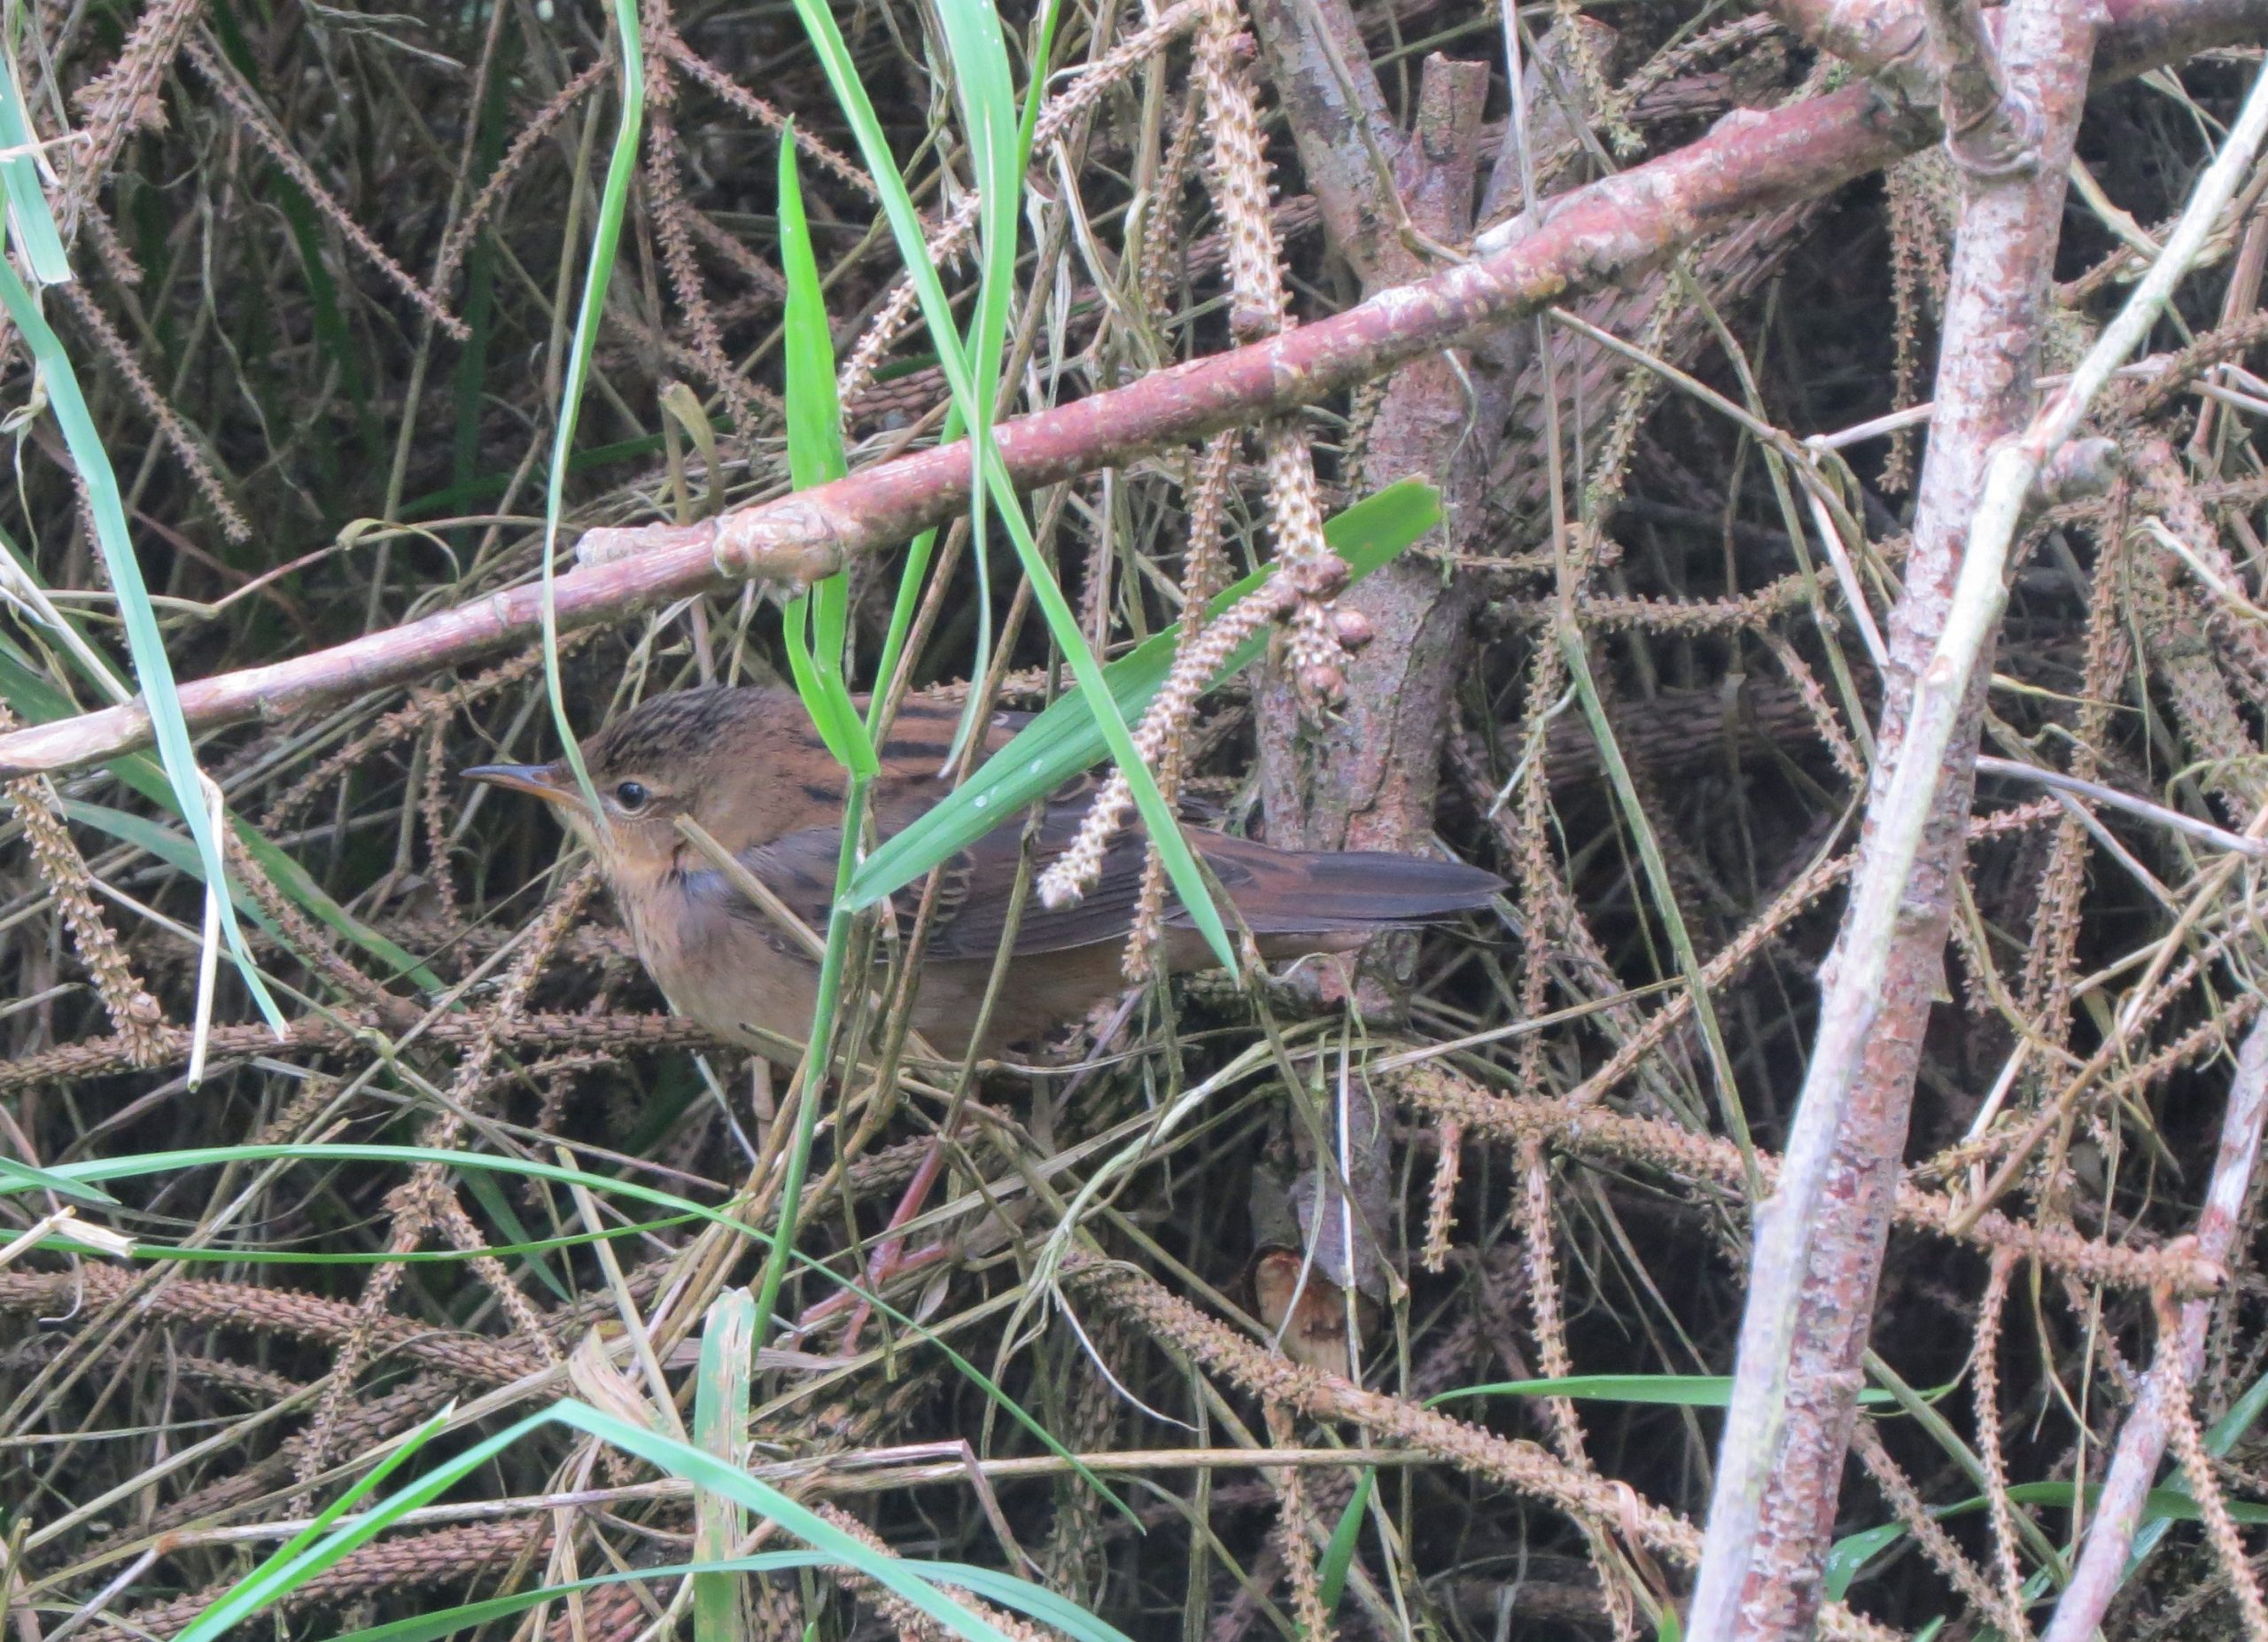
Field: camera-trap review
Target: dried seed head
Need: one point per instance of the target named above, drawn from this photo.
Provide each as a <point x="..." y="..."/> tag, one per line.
<point x="1322" y="576"/>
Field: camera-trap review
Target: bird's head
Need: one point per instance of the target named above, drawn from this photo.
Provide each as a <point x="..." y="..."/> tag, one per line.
<point x="703" y="753"/>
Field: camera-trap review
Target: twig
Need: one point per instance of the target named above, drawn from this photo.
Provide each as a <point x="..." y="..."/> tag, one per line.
<point x="2101" y="1567"/>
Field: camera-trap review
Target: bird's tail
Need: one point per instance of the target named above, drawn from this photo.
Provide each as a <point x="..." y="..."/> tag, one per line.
<point x="1307" y="892"/>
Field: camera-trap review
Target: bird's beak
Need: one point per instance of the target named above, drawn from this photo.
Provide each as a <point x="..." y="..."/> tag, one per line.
<point x="545" y="781"/>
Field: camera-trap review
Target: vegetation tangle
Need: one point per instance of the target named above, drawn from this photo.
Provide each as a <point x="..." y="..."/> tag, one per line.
<point x="1778" y="487"/>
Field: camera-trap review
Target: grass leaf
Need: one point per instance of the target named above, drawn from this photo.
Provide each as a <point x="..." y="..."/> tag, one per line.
<point x="614" y="201"/>
<point x="1339" y="1555"/>
<point x="144" y="642"/>
<point x="139" y="1165"/>
<point x="818" y="622"/>
<point x="981" y="78"/>
<point x="720" y="1417"/>
<point x="1066" y="739"/>
<point x="31" y="224"/>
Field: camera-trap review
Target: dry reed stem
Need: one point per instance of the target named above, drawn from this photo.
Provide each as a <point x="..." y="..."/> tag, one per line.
<point x="1071" y="874"/>
<point x="1239" y="176"/>
<point x="361" y="1427"/>
<point x="1794" y="153"/>
<point x="1295" y="1527"/>
<point x="427" y="709"/>
<point x="664" y="159"/>
<point x="1204" y="565"/>
<point x="103" y="1057"/>
<point x="1652" y="639"/>
<point x="413" y="1561"/>
<point x="1928" y="1532"/>
<point x="243" y="1306"/>
<point x="194" y="459"/>
<point x="911" y="1620"/>
<point x="2212" y="1508"/>
<point x="745" y="102"/>
<point x="312" y="946"/>
<point x="462" y="233"/>
<point x="123" y="98"/>
<point x="1985" y="1389"/>
<point x="428" y="1196"/>
<point x="2100" y="1569"/>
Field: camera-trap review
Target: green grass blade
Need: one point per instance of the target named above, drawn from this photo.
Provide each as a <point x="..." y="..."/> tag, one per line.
<point x="429" y="1627"/>
<point x="614" y="201"/>
<point x="31" y="225"/>
<point x="294" y="880"/>
<point x="817" y="623"/>
<point x="41" y="702"/>
<point x="156" y="838"/>
<point x="139" y="1165"/>
<point x="2220" y="1439"/>
<point x="1339" y="1555"/>
<point x="1174" y="854"/>
<point x="707" y="1472"/>
<point x="982" y="90"/>
<point x="1037" y="1602"/>
<point x="629" y="1231"/>
<point x="988" y="140"/>
<point x="1848" y="1556"/>
<point x="2162" y="1508"/>
<point x="488" y="1192"/>
<point x="15" y="1176"/>
<point x="143" y="641"/>
<point x="177" y="851"/>
<point x="313" y="1549"/>
<point x="720" y="1417"/>
<point x="1658" y="1391"/>
<point x="817" y="1055"/>
<point x="1066" y="739"/>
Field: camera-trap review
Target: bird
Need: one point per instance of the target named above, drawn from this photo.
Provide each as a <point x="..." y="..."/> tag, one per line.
<point x="745" y="764"/>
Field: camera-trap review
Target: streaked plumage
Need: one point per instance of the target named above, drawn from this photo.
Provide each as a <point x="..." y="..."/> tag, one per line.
<point x="747" y="766"/>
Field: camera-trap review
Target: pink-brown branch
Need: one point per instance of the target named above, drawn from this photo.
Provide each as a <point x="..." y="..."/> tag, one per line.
<point x="1750" y="162"/>
<point x="1817" y="1258"/>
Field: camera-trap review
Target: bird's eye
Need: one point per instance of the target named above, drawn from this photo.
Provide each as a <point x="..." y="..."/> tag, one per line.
<point x="631" y="796"/>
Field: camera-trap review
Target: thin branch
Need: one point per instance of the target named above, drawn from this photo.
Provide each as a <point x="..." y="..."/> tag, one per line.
<point x="2101" y="1568"/>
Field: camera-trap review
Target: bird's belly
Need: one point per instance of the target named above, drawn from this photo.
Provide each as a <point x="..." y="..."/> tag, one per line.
<point x="740" y="982"/>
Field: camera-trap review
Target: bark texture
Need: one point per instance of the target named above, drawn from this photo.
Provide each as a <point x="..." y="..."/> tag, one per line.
<point x="1994" y="314"/>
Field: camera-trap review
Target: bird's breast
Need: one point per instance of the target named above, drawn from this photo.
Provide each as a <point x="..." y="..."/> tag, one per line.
<point x="724" y="966"/>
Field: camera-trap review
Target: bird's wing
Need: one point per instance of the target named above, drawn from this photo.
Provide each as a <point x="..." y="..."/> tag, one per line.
<point x="1274" y="892"/>
<point x="978" y="886"/>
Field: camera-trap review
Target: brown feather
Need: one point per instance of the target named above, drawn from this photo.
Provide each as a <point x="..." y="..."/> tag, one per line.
<point x="748" y="766"/>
